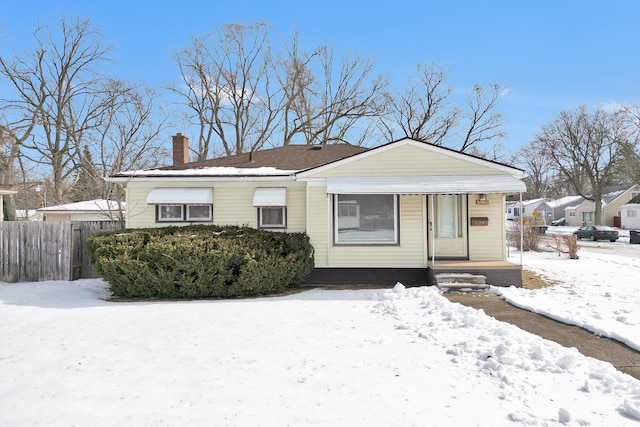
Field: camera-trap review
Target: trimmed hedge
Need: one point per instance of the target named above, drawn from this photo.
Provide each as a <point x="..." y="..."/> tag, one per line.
<point x="200" y="261"/>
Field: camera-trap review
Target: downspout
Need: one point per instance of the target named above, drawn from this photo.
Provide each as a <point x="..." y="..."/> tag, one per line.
<point x="330" y="227"/>
<point x="433" y="235"/>
<point x="521" y="230"/>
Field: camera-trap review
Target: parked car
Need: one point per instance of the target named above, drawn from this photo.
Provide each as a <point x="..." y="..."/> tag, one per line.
<point x="597" y="232"/>
<point x="560" y="221"/>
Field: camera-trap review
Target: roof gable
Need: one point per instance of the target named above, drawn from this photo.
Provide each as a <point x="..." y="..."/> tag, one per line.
<point x="414" y="152"/>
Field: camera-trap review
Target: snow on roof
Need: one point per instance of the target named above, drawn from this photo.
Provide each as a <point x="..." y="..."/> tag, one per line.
<point x="97" y="205"/>
<point x="563" y="201"/>
<point x="211" y="171"/>
<point x="526" y="203"/>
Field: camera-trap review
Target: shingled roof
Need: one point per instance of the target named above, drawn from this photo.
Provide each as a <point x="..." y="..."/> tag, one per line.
<point x="289" y="157"/>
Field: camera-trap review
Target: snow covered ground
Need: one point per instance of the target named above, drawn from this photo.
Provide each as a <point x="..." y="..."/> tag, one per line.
<point x="395" y="357"/>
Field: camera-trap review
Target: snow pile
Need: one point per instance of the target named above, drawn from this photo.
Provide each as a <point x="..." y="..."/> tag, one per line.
<point x="525" y="369"/>
<point x="400" y="357"/>
<point x="598" y="292"/>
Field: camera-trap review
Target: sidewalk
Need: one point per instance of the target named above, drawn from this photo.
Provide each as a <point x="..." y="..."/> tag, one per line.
<point x="619" y="355"/>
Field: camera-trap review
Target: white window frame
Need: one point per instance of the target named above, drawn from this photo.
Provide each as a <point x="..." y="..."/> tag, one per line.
<point x="354" y="242"/>
<point x="199" y="219"/>
<point x="632" y="213"/>
<point x="161" y="218"/>
<point x="185" y="215"/>
<point x="261" y="222"/>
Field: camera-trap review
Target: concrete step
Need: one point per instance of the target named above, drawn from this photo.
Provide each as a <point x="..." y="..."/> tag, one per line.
<point x="462" y="287"/>
<point x="467" y="278"/>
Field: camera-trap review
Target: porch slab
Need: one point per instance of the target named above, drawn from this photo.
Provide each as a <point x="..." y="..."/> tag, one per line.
<point x="498" y="273"/>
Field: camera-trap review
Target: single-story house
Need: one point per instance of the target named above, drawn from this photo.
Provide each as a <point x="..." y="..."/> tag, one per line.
<point x="613" y="198"/>
<point x="90" y="210"/>
<point x="403" y="211"/>
<point x="526" y="208"/>
<point x="558" y="206"/>
<point x="28" y="215"/>
<point x="630" y="214"/>
<point x="513" y="211"/>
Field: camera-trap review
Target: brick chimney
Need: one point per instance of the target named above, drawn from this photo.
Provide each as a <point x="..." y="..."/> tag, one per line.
<point x="180" y="149"/>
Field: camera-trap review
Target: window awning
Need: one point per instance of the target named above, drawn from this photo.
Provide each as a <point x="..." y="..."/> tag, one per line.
<point x="471" y="184"/>
<point x="180" y="196"/>
<point x="270" y="197"/>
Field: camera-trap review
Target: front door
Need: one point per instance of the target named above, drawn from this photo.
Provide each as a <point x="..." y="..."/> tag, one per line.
<point x="447" y="225"/>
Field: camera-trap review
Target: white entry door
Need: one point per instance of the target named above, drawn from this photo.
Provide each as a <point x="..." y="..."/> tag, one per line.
<point x="448" y="225"/>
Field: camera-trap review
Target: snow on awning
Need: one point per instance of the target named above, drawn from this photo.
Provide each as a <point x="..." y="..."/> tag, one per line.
<point x="270" y="197"/>
<point x="471" y="184"/>
<point x="180" y="196"/>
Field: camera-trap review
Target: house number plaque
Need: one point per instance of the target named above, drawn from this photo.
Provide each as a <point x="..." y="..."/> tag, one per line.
<point x="482" y="221"/>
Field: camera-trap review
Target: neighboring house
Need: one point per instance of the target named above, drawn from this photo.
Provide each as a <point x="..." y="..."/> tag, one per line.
<point x="558" y="206"/>
<point x="4" y="192"/>
<point x="513" y="211"/>
<point x="399" y="212"/>
<point x="528" y="207"/>
<point x="90" y="210"/>
<point x="28" y="215"/>
<point x="613" y="198"/>
<point x="630" y="214"/>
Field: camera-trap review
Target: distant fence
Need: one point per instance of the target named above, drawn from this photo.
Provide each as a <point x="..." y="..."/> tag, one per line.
<point x="41" y="250"/>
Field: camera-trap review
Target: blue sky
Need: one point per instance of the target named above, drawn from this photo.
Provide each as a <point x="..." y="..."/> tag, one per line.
<point x="553" y="55"/>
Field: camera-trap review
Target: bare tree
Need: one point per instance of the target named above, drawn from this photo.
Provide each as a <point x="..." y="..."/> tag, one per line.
<point x="128" y="133"/>
<point x="589" y="145"/>
<point x="331" y="102"/>
<point x="12" y="136"/>
<point x="420" y="111"/>
<point x="629" y="169"/>
<point x="228" y="85"/>
<point x="59" y="81"/>
<point x="483" y="123"/>
<point x="537" y="164"/>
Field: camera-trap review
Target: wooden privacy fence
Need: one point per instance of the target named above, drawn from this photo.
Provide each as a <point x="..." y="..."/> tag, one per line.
<point x="37" y="251"/>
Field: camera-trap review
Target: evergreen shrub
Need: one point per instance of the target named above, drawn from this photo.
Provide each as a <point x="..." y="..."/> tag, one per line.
<point x="200" y="261"/>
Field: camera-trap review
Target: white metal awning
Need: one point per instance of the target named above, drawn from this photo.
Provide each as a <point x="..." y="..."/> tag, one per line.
<point x="471" y="184"/>
<point x="180" y="196"/>
<point x="270" y="197"/>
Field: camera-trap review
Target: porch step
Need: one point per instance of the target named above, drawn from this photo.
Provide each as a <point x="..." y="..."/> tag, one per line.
<point x="478" y="279"/>
<point x="461" y="281"/>
<point x="462" y="287"/>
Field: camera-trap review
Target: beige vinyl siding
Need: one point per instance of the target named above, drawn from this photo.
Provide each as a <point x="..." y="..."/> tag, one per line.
<point x="488" y="243"/>
<point x="409" y="254"/>
<point x="79" y="216"/>
<point x="318" y="225"/>
<point x="407" y="160"/>
<point x="139" y="213"/>
<point x="232" y="203"/>
<point x="56" y="217"/>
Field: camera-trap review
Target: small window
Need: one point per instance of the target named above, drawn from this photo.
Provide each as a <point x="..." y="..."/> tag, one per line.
<point x="199" y="213"/>
<point x="572" y="213"/>
<point x="170" y="213"/>
<point x="182" y="213"/>
<point x="272" y="217"/>
<point x="632" y="213"/>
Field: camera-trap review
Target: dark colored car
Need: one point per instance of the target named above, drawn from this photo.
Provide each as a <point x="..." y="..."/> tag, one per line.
<point x="597" y="232"/>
